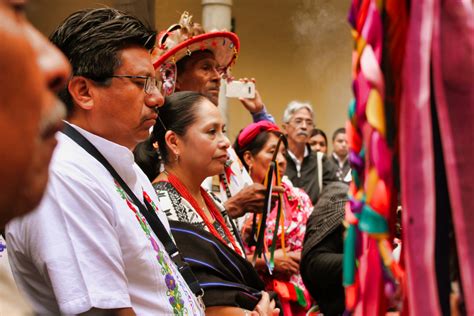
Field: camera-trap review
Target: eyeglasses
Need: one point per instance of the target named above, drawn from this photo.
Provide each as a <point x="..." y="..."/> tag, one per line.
<point x="299" y="122"/>
<point x="150" y="82"/>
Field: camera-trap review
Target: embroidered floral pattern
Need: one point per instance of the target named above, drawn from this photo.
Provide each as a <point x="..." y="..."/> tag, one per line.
<point x="173" y="291"/>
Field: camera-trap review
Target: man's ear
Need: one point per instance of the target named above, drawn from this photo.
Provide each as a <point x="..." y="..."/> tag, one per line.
<point x="80" y="91"/>
<point x="285" y="126"/>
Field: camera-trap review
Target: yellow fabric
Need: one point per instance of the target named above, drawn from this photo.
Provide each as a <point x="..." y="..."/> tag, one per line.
<point x="375" y="111"/>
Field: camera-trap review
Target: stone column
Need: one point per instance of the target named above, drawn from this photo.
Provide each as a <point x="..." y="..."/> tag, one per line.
<point x="217" y="15"/>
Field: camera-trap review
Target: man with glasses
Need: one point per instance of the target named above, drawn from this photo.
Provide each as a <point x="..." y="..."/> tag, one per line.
<point x="88" y="248"/>
<point x="306" y="169"/>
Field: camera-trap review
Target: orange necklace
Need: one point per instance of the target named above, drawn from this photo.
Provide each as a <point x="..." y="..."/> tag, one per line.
<point x="183" y="191"/>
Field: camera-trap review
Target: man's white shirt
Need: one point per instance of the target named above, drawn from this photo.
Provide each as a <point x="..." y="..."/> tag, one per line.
<point x="84" y="247"/>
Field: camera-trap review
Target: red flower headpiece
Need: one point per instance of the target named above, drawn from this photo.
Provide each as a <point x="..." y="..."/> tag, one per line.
<point x="249" y="133"/>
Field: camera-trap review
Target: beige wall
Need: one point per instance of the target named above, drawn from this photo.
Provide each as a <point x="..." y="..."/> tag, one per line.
<point x="46" y="15"/>
<point x="296" y="49"/>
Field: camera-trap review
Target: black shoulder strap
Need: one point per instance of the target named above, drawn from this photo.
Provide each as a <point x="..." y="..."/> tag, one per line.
<point x="148" y="211"/>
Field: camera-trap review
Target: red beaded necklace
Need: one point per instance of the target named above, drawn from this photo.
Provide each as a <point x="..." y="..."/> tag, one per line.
<point x="183" y="191"/>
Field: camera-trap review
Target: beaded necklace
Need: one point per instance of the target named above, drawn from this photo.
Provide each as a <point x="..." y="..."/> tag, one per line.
<point x="183" y="191"/>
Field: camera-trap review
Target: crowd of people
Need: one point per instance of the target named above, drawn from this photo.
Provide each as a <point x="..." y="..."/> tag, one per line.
<point x="135" y="202"/>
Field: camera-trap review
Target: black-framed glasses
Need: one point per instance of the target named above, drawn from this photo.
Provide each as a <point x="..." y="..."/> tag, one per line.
<point x="150" y="82"/>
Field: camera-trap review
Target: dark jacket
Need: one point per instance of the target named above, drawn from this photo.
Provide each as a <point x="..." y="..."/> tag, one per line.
<point x="341" y="173"/>
<point x="308" y="177"/>
<point x="321" y="260"/>
<point x="227" y="278"/>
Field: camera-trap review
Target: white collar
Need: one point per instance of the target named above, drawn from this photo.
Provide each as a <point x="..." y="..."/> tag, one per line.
<point x="339" y="160"/>
<point x="120" y="157"/>
<point x="293" y="157"/>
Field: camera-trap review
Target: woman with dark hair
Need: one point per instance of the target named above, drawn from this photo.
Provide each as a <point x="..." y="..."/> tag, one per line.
<point x="190" y="135"/>
<point x="255" y="146"/>
<point x="318" y="141"/>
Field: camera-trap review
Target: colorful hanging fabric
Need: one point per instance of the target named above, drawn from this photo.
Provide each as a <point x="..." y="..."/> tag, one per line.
<point x="438" y="79"/>
<point x="370" y="275"/>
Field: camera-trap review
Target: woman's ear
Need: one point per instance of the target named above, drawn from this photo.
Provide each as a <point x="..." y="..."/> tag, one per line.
<point x="80" y="89"/>
<point x="248" y="158"/>
<point x="173" y="141"/>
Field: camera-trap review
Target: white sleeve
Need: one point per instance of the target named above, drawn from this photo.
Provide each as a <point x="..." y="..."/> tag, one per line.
<point x="73" y="243"/>
<point x="207" y="184"/>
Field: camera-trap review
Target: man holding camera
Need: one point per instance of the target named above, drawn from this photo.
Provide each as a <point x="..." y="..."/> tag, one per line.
<point x="190" y="60"/>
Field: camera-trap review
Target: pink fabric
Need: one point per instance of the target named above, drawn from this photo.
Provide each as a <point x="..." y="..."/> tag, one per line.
<point x="380" y="155"/>
<point x="371" y="301"/>
<point x="453" y="58"/>
<point x="372" y="30"/>
<point x="371" y="70"/>
<point x="248" y="134"/>
<point x="441" y="33"/>
<point x="417" y="165"/>
<point x="362" y="89"/>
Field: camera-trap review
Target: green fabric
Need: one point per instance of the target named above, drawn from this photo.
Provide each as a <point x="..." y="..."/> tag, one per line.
<point x="355" y="177"/>
<point x="300" y="298"/>
<point x="348" y="263"/>
<point x="352" y="107"/>
<point x="372" y="222"/>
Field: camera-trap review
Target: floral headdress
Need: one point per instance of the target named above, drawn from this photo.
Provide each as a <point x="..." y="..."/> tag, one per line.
<point x="182" y="39"/>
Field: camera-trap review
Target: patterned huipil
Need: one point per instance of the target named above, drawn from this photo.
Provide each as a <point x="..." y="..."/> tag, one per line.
<point x="297" y="207"/>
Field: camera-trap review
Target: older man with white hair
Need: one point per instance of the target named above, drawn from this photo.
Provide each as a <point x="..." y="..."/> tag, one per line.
<point x="306" y="169"/>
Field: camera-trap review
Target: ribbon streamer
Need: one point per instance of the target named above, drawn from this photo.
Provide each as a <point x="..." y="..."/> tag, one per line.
<point x="272" y="176"/>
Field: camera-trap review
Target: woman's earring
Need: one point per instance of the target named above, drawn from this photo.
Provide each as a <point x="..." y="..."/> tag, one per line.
<point x="250" y="170"/>
<point x="177" y="157"/>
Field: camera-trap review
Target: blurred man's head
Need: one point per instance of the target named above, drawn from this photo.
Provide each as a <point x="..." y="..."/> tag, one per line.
<point x="298" y="122"/>
<point x="32" y="71"/>
<point x="113" y="90"/>
<point x="339" y="143"/>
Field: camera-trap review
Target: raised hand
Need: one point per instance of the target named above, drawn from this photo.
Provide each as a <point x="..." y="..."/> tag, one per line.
<point x="255" y="104"/>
